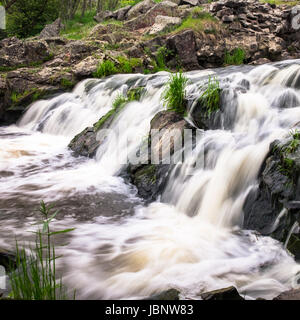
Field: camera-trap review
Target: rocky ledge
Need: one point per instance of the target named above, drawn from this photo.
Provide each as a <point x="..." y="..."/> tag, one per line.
<point x="156" y="34"/>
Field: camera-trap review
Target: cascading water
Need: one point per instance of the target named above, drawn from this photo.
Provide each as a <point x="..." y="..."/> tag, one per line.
<point x="190" y="240"/>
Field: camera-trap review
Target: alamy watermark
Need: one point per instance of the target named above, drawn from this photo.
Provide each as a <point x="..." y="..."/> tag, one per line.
<point x="2" y="278"/>
<point x="165" y="146"/>
<point x="2" y="18"/>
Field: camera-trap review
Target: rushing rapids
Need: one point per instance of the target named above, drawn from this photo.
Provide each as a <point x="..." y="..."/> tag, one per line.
<point x="191" y="239"/>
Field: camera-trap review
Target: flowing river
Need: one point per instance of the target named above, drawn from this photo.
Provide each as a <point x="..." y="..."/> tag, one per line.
<point x="191" y="239"/>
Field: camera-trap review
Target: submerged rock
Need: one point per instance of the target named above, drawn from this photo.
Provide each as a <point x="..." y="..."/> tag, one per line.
<point x="229" y="293"/>
<point x="171" y="295"/>
<point x="293" y="294"/>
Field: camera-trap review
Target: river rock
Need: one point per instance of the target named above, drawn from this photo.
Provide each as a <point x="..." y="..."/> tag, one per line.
<point x="150" y="179"/>
<point x="278" y="193"/>
<point x="171" y="295"/>
<point x="293" y="294"/>
<point x="229" y="293"/>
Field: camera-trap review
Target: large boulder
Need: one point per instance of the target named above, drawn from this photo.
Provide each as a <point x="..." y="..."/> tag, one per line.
<point x="121" y="14"/>
<point x="150" y="179"/>
<point x="104" y="15"/>
<point x="86" y="67"/>
<point x="184" y="45"/>
<point x="273" y="207"/>
<point x="165" y="8"/>
<point x="52" y="30"/>
<point x="293" y="294"/>
<point x="163" y="23"/>
<point x="140" y="8"/>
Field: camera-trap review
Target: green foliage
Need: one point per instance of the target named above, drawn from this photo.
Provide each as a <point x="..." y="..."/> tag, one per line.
<point x="119" y="103"/>
<point x="174" y="93"/>
<point x="28" y="17"/>
<point x="80" y="26"/>
<point x="120" y="99"/>
<point x="236" y="58"/>
<point x="66" y="84"/>
<point x="211" y="96"/>
<point x="199" y="23"/>
<point x="106" y="68"/>
<point x="128" y="65"/>
<point x="35" y="276"/>
<point x="161" y="55"/>
<point x="28" y="96"/>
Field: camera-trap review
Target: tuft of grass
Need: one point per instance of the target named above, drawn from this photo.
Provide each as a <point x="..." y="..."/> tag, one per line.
<point x="120" y="99"/>
<point x="66" y="84"/>
<point x="281" y="2"/>
<point x="79" y="27"/>
<point x="211" y="96"/>
<point x="128" y="65"/>
<point x="174" y="93"/>
<point x="119" y="103"/>
<point x="198" y="24"/>
<point x="236" y="58"/>
<point x="35" y="275"/>
<point x="106" y="68"/>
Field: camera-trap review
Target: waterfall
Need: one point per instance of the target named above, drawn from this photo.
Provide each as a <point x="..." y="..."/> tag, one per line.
<point x="192" y="238"/>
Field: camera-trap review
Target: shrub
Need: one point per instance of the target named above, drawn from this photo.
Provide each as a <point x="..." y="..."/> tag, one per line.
<point x="211" y="96"/>
<point x="128" y="65"/>
<point x="236" y="58"/>
<point x="28" y="17"/>
<point x="35" y="274"/>
<point x="105" y="69"/>
<point x="174" y="94"/>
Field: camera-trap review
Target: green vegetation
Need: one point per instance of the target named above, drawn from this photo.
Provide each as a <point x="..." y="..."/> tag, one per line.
<point x="211" y="96"/>
<point x="287" y="162"/>
<point x="295" y="142"/>
<point x="28" y="17"/>
<point x="27" y="96"/>
<point x="236" y="58"/>
<point x="198" y="24"/>
<point x="80" y="26"/>
<point x="66" y="84"/>
<point x="128" y="65"/>
<point x="281" y="2"/>
<point x="107" y="67"/>
<point x="35" y="276"/>
<point x="119" y="103"/>
<point x="120" y="99"/>
<point x="174" y="93"/>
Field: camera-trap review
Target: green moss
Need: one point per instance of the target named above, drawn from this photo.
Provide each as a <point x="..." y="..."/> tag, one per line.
<point x="237" y="57"/>
<point x="210" y="98"/>
<point x="28" y="96"/>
